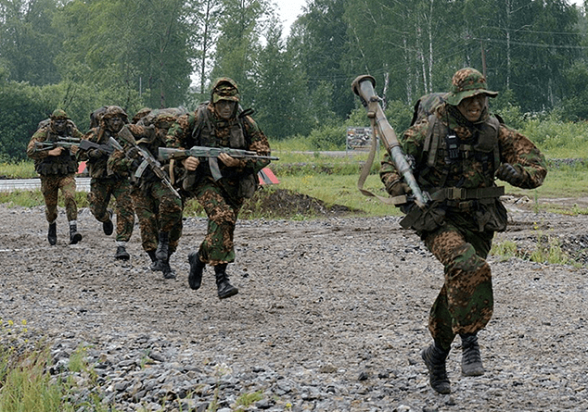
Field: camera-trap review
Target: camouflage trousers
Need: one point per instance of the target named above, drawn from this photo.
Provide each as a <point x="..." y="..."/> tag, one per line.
<point x="465" y="302"/>
<point x="101" y="191"/>
<point x="158" y="210"/>
<point x="217" y="246"/>
<point x="50" y="186"/>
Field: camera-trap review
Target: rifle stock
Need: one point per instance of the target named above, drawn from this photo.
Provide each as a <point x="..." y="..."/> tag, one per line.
<point x="363" y="86"/>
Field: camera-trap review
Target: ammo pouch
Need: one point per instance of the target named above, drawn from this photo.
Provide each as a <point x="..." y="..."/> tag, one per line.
<point x="424" y="220"/>
<point x="491" y="216"/>
<point x="248" y="186"/>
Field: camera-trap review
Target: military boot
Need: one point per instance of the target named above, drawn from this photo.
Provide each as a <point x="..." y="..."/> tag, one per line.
<point x="154" y="262"/>
<point x="471" y="360"/>
<point x="107" y="226"/>
<point x="162" y="251"/>
<point x="225" y="289"/>
<point x="168" y="272"/>
<point x="121" y="252"/>
<point x="74" y="236"/>
<point x="196" y="270"/>
<point x="434" y="357"/>
<point x="52" y="234"/>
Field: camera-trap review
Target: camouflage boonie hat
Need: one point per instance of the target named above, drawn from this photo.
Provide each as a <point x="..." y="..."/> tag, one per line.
<point x="112" y="111"/>
<point x="466" y="83"/>
<point x="59" y="114"/>
<point x="140" y="114"/>
<point x="225" y="89"/>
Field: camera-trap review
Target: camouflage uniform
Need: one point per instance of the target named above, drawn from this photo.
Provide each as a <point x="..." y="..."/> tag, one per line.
<point x="105" y="183"/>
<point x="222" y="199"/>
<point x="57" y="172"/>
<point x="158" y="209"/>
<point x="459" y="224"/>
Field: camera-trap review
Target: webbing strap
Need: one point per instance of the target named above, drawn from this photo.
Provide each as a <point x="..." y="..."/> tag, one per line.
<point x="457" y="193"/>
<point x="365" y="172"/>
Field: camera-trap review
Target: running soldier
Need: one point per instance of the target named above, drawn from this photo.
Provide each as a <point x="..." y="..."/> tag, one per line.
<point x="105" y="183"/>
<point x="219" y="123"/>
<point x="456" y="153"/>
<point x="56" y="165"/>
<point x="157" y="205"/>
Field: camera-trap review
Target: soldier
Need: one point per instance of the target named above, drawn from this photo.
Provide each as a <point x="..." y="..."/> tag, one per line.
<point x="456" y="153"/>
<point x="219" y="123"/>
<point x="105" y="183"/>
<point x="157" y="205"/>
<point x="57" y="167"/>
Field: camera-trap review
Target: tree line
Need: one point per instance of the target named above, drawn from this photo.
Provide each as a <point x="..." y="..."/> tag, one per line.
<point x="79" y="55"/>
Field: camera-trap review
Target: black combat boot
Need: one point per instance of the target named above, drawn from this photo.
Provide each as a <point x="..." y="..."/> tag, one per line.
<point x="225" y="289"/>
<point x="162" y="251"/>
<point x="168" y="272"/>
<point x="121" y="253"/>
<point x="434" y="357"/>
<point x="196" y="270"/>
<point x="108" y="227"/>
<point x="74" y="236"/>
<point x="471" y="360"/>
<point x="154" y="262"/>
<point x="52" y="234"/>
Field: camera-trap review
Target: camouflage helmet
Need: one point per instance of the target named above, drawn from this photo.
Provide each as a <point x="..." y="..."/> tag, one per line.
<point x="141" y="114"/>
<point x="112" y="111"/>
<point x="59" y="114"/>
<point x="466" y="83"/>
<point x="225" y="89"/>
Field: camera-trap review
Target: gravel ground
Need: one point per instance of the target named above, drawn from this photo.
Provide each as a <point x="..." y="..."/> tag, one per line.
<point x="331" y="316"/>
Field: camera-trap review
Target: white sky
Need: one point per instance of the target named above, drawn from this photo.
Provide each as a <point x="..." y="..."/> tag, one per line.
<point x="289" y="10"/>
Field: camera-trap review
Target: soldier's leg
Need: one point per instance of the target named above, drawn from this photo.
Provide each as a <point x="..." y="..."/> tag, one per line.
<point x="125" y="217"/>
<point x="50" y="191"/>
<point x="68" y="188"/>
<point x="465" y="303"/>
<point x="99" y="198"/>
<point x="145" y="210"/>
<point x="217" y="249"/>
<point x="170" y="230"/>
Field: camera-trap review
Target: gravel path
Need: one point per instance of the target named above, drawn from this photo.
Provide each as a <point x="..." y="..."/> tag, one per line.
<point x="331" y="316"/>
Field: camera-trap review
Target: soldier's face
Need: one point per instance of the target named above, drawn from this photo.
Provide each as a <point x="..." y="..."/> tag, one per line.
<point x="472" y="107"/>
<point x="225" y="108"/>
<point x="114" y="124"/>
<point x="59" y="125"/>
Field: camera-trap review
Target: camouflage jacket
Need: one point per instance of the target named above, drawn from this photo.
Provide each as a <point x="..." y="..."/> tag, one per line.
<point x="476" y="164"/>
<point x="204" y="128"/>
<point x="63" y="164"/>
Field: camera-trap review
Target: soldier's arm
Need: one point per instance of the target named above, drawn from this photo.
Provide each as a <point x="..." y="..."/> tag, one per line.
<point x="259" y="144"/>
<point x="39" y="136"/>
<point x="180" y="132"/>
<point x="411" y="142"/>
<point x="520" y="152"/>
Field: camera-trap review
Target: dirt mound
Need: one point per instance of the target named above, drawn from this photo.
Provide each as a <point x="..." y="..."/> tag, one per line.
<point x="269" y="202"/>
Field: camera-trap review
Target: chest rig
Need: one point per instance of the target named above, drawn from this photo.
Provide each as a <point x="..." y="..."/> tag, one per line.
<point x="220" y="133"/>
<point x="445" y="151"/>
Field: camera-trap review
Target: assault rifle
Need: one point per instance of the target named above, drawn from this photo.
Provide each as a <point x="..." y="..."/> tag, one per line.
<point x="85" y="144"/>
<point x="212" y="154"/>
<point x="148" y="160"/>
<point x="67" y="142"/>
<point x="363" y="86"/>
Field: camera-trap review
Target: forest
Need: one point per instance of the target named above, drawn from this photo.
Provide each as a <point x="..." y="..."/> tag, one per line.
<point x="79" y="55"/>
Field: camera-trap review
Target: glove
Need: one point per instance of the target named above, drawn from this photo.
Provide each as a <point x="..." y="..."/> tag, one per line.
<point x="398" y="188"/>
<point x="133" y="153"/>
<point x="95" y="153"/>
<point x="510" y="174"/>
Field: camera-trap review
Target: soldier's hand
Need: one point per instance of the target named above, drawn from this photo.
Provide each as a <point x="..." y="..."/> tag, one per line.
<point x="229" y="160"/>
<point x="55" y="151"/>
<point x="399" y="188"/>
<point x="95" y="153"/>
<point x="510" y="174"/>
<point x="191" y="163"/>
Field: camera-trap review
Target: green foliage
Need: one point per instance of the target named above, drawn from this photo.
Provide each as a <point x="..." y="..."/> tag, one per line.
<point x="328" y="137"/>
